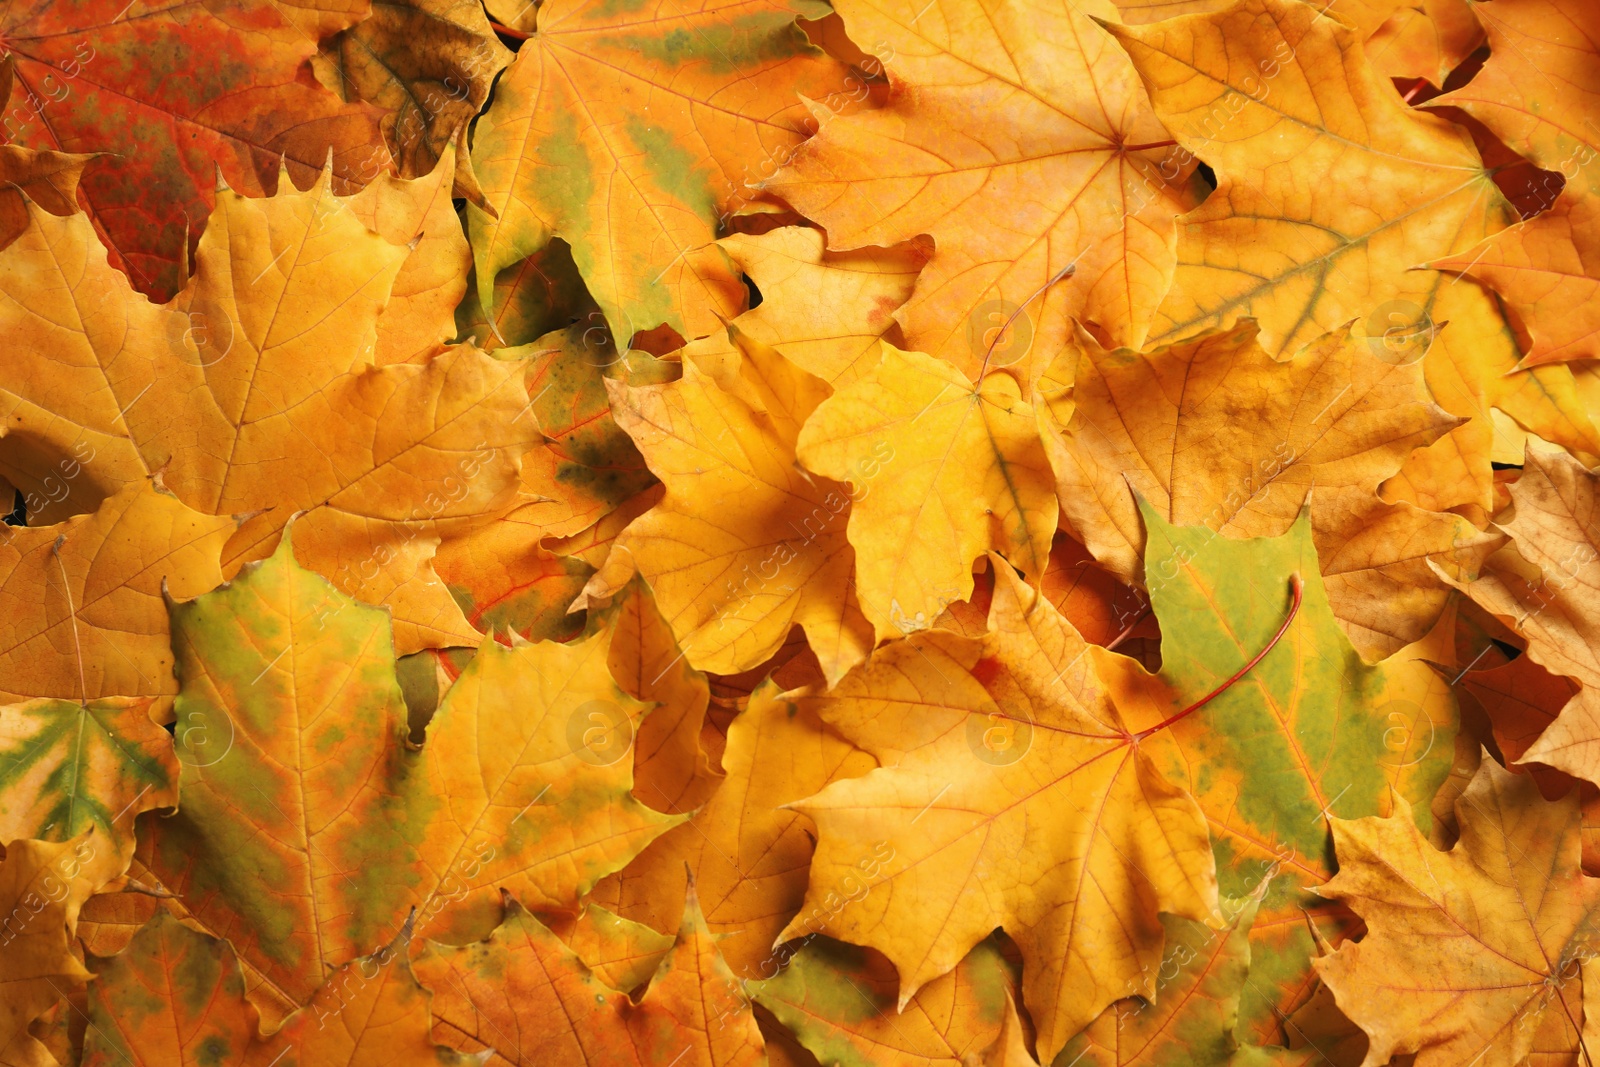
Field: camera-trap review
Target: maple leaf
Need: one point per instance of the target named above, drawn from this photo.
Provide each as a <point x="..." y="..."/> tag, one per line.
<point x="744" y="544"/>
<point x="42" y="887"/>
<point x="1191" y="1018"/>
<point x="83" y="612"/>
<point x="691" y="1013"/>
<point x="1544" y="584"/>
<point x="1216" y="431"/>
<point x="671" y="770"/>
<point x="841" y="1002"/>
<point x="1269" y="89"/>
<point x="1311" y="730"/>
<point x="585" y="470"/>
<point x="532" y="297"/>
<point x="1468" y="952"/>
<point x="1535" y="93"/>
<point x="656" y="115"/>
<point x="292" y="731"/>
<point x="1423" y="40"/>
<point x="1470" y="367"/>
<point x="1016" y="135"/>
<point x="378" y="1019"/>
<point x="68" y="767"/>
<point x="622" y="953"/>
<point x="428" y="63"/>
<point x="747" y="853"/>
<point x="586" y="466"/>
<point x="175" y="998"/>
<point x="420" y="314"/>
<point x="826" y="309"/>
<point x="241" y="107"/>
<point x="526" y="778"/>
<point x="49" y="179"/>
<point x="246" y="390"/>
<point x="966" y="473"/>
<point x="994" y="751"/>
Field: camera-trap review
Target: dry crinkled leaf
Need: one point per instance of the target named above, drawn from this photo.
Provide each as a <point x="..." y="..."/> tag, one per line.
<point x="625" y="129"/>
<point x="744" y="544"/>
<point x="997" y="753"/>
<point x="965" y="474"/>
<point x="83" y="616"/>
<point x="1017" y="136"/>
<point x="227" y="95"/>
<point x="691" y="1015"/>
<point x="428" y="63"/>
<point x="49" y="179"/>
<point x="1214" y="431"/>
<point x="1537" y="92"/>
<point x="67" y="766"/>
<point x="1545" y="585"/>
<point x="841" y="1002"/>
<point x="746" y="852"/>
<point x="1268" y="91"/>
<point x="1468" y="953"/>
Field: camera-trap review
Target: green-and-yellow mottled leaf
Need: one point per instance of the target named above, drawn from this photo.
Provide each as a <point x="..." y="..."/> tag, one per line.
<point x="625" y="127"/>
<point x="174" y="998"/>
<point x="1312" y="730"/>
<point x="66" y="766"/>
<point x="840" y="1001"/>
<point x="292" y="731"/>
<point x="1190" y="1020"/>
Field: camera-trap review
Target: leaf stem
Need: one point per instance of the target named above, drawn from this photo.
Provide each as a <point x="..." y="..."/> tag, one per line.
<point x="1296" y="587"/>
<point x="1152" y="144"/>
<point x="1128" y="630"/>
<point x="507" y="31"/>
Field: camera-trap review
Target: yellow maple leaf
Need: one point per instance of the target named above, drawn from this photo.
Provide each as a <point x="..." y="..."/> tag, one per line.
<point x="1017" y="136"/>
<point x="940" y="472"/>
<point x="1011" y="794"/>
<point x="745" y="544"/>
<point x="1267" y="92"/>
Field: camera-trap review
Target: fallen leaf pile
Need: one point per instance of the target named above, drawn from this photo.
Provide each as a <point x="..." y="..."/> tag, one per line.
<point x="976" y="533"/>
